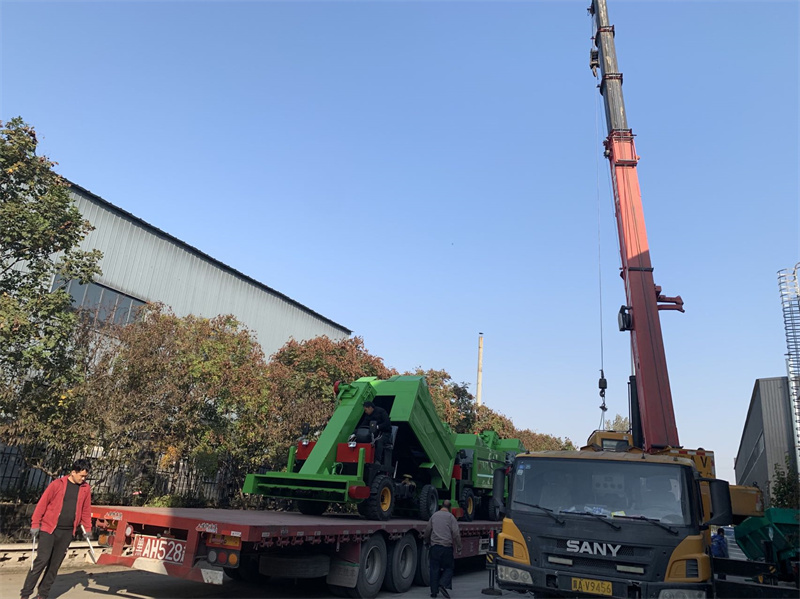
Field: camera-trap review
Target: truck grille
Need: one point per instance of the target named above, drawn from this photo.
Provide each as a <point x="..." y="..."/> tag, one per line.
<point x="601" y="565"/>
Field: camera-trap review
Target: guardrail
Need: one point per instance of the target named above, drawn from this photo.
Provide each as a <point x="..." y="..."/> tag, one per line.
<point x="19" y="555"/>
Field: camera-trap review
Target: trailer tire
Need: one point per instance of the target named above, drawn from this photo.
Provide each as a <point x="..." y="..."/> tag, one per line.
<point x="380" y="504"/>
<point x="467" y="503"/>
<point x="371" y="567"/>
<point x="422" y="577"/>
<point x="427" y="502"/>
<point x="401" y="564"/>
<point x="311" y="508"/>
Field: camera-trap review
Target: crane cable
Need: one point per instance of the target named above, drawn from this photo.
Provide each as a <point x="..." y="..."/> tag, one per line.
<point x="602" y="383"/>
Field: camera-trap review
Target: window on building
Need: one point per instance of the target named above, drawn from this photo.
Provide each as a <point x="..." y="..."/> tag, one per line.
<point x="104" y="302"/>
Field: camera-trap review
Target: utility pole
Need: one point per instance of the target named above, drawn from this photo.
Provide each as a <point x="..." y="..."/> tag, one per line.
<point x="480" y="369"/>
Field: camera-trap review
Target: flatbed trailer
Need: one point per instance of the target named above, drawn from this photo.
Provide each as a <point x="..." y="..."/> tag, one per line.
<point x="357" y="557"/>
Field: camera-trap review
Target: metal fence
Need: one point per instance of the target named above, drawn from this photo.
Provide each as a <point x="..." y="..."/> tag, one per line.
<point x="132" y="484"/>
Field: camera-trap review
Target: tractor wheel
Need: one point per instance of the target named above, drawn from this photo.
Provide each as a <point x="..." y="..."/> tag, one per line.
<point x="467" y="503"/>
<point x="311" y="508"/>
<point x="372" y="566"/>
<point x="380" y="504"/>
<point x="427" y="502"/>
<point x="401" y="564"/>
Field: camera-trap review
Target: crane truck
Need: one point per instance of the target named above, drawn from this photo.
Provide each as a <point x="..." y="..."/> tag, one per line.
<point x="629" y="514"/>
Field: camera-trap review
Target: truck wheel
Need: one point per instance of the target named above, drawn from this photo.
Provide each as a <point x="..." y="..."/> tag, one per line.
<point x="311" y="508"/>
<point x="427" y="502"/>
<point x="372" y="567"/>
<point x="380" y="504"/>
<point x="422" y="576"/>
<point x="467" y="503"/>
<point x="401" y="564"/>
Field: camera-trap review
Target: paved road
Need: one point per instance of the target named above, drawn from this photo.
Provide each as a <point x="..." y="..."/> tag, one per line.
<point x="100" y="582"/>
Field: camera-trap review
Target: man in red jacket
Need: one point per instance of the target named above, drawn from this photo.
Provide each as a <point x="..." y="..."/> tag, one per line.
<point x="66" y="504"/>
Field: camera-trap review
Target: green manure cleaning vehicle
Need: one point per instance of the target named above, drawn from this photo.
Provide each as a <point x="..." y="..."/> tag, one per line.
<point x="422" y="461"/>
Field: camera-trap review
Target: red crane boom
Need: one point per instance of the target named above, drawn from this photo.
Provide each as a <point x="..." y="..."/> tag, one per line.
<point x="650" y="388"/>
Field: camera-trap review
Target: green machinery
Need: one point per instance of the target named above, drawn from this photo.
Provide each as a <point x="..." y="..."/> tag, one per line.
<point x="423" y="462"/>
<point x="772" y="538"/>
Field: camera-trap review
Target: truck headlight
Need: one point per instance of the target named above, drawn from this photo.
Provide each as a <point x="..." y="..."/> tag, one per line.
<point x="681" y="594"/>
<point x="514" y="575"/>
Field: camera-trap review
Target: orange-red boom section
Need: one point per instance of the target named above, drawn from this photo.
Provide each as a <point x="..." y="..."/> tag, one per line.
<point x="640" y="316"/>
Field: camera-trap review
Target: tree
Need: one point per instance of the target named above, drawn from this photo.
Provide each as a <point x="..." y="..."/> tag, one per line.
<point x="786" y="486"/>
<point x="620" y="424"/>
<point x="301" y="386"/>
<point x="171" y="389"/>
<point x="40" y="233"/>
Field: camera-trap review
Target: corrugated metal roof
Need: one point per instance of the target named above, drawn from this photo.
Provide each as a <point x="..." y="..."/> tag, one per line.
<point x="145" y="262"/>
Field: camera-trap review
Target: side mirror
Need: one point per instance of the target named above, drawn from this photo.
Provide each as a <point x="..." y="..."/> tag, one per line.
<point x="721" y="509"/>
<point x="306" y="428"/>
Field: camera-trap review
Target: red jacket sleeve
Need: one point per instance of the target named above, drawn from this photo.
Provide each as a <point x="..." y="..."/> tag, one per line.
<point x="41" y="507"/>
<point x="86" y="509"/>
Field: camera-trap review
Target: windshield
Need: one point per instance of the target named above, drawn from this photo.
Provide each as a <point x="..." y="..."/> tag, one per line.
<point x="613" y="489"/>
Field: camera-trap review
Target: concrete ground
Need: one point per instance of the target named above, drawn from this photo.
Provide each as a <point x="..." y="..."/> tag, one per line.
<point x="84" y="581"/>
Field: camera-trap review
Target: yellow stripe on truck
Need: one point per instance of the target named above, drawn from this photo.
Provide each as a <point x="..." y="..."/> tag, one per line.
<point x="511" y="533"/>
<point x="689" y="557"/>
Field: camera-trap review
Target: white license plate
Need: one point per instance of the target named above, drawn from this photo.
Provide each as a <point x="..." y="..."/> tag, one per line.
<point x="165" y="550"/>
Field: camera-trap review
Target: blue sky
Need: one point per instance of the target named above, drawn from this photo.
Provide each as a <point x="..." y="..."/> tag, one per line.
<point x="422" y="171"/>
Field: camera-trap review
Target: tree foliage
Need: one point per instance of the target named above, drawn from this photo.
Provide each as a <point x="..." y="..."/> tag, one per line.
<point x="40" y="233"/>
<point x="301" y="382"/>
<point x="621" y="424"/>
<point x="170" y="389"/>
<point x="786" y="486"/>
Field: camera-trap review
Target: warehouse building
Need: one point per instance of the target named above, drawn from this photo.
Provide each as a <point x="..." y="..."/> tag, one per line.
<point x="144" y="264"/>
<point x="767" y="438"/>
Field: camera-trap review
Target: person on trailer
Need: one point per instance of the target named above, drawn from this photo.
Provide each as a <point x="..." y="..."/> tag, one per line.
<point x="380" y="417"/>
<point x="65" y="505"/>
<point x="442" y="534"/>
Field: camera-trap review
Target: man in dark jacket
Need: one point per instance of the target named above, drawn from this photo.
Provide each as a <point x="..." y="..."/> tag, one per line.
<point x="65" y="505"/>
<point x="380" y="417"/>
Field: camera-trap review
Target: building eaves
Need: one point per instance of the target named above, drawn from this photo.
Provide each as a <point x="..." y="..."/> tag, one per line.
<point x="205" y="256"/>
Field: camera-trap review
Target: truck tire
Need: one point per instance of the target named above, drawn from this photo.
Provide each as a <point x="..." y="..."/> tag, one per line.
<point x="467" y="502"/>
<point x="422" y="576"/>
<point x="427" y="502"/>
<point x="311" y="508"/>
<point x="380" y="504"/>
<point x="487" y="510"/>
<point x="372" y="567"/>
<point x="401" y="564"/>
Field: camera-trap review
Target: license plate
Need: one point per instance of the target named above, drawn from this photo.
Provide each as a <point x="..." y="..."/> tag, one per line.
<point x="164" y="550"/>
<point x="589" y="585"/>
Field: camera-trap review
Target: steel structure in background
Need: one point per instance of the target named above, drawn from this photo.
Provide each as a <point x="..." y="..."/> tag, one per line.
<point x="790" y="300"/>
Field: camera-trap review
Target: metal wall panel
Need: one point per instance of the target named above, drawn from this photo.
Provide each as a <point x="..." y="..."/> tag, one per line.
<point x="146" y="263"/>
<point x="767" y="436"/>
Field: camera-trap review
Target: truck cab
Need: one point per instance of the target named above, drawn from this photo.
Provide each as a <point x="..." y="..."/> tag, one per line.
<point x="608" y="523"/>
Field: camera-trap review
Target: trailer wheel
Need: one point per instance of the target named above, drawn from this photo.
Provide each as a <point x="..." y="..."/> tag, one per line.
<point x="427" y="502"/>
<point x="422" y="577"/>
<point x="380" y="504"/>
<point x="372" y="567"/>
<point x="467" y="503"/>
<point x="311" y="508"/>
<point x="401" y="564"/>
